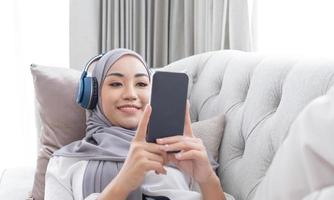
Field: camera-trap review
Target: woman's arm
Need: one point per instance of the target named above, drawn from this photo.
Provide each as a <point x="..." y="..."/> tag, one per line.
<point x="212" y="189"/>
<point x="142" y="157"/>
<point x="115" y="190"/>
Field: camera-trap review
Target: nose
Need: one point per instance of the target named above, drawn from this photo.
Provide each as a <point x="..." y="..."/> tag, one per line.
<point x="129" y="93"/>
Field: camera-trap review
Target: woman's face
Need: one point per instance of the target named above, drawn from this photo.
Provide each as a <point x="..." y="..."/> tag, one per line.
<point x="125" y="92"/>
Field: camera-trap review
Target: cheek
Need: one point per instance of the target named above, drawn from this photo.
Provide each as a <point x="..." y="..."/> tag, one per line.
<point x="145" y="96"/>
<point x="108" y="99"/>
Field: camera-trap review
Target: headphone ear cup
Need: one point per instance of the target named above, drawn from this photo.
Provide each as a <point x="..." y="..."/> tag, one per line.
<point x="94" y="94"/>
<point x="79" y="92"/>
<point x="87" y="95"/>
<point x="86" y="92"/>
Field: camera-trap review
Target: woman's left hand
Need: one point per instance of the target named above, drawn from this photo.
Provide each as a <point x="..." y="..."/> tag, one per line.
<point x="192" y="158"/>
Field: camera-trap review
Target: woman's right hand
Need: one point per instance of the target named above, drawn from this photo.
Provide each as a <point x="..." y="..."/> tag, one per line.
<point x="142" y="157"/>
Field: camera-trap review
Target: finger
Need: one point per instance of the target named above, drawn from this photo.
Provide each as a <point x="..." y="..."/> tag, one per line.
<point x="173" y="160"/>
<point x="187" y="122"/>
<point x="190" y="155"/>
<point x="154" y="148"/>
<point x="183" y="145"/>
<point x="155" y="166"/>
<point x="142" y="126"/>
<point x="163" y="155"/>
<point x="154" y="157"/>
<point x="170" y="140"/>
<point x="175" y="139"/>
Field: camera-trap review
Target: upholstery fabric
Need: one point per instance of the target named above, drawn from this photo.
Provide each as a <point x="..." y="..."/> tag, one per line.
<point x="16" y="182"/>
<point x="323" y="194"/>
<point x="260" y="95"/>
<point x="304" y="163"/>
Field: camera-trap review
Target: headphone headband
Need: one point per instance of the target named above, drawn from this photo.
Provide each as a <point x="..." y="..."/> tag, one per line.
<point x="91" y="61"/>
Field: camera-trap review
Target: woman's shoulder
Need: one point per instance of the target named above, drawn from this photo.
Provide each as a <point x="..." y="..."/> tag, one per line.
<point x="61" y="164"/>
<point x="65" y="174"/>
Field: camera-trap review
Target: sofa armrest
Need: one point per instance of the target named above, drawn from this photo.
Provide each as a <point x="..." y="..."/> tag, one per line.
<point x="322" y="194"/>
<point x="16" y="183"/>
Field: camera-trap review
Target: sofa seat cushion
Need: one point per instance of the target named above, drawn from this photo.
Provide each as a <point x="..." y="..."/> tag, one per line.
<point x="323" y="194"/>
<point x="16" y="183"/>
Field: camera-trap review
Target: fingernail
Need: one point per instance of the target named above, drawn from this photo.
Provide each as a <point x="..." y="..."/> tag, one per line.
<point x="159" y="140"/>
<point x="178" y="155"/>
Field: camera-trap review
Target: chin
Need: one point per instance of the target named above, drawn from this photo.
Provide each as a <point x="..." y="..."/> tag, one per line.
<point x="130" y="125"/>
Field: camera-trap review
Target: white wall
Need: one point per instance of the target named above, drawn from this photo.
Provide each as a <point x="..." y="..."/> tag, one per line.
<point x="32" y="31"/>
<point x="84" y="31"/>
<point x="302" y="27"/>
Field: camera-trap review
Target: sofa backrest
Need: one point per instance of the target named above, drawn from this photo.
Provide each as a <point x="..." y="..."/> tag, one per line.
<point x="260" y="95"/>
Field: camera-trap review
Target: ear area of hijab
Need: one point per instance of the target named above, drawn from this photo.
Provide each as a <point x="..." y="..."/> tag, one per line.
<point x="87" y="95"/>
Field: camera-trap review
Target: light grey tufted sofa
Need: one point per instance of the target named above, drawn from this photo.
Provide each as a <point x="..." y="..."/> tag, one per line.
<point x="261" y="95"/>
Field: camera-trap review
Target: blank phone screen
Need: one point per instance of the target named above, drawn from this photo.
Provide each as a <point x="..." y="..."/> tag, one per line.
<point x="168" y="102"/>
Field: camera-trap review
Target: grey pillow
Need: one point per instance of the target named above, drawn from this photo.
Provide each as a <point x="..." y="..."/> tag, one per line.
<point x="62" y="120"/>
<point x="210" y="131"/>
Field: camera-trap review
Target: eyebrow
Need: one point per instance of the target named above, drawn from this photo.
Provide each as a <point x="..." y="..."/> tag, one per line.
<point x="122" y="75"/>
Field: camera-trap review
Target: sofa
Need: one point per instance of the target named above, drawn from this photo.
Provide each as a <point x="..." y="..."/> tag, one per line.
<point x="260" y="96"/>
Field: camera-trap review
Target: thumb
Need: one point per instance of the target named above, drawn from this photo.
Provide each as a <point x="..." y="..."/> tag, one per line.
<point x="171" y="159"/>
<point x="187" y="122"/>
<point x="142" y="126"/>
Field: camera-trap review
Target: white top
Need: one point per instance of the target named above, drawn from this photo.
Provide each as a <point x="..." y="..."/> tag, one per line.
<point x="64" y="178"/>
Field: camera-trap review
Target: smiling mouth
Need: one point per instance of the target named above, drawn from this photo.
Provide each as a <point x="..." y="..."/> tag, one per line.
<point x="128" y="106"/>
<point x="129" y="109"/>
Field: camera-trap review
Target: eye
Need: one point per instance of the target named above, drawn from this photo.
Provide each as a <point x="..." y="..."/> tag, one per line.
<point x="115" y="84"/>
<point x="142" y="84"/>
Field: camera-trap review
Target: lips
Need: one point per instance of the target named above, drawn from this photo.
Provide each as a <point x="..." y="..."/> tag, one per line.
<point x="128" y="108"/>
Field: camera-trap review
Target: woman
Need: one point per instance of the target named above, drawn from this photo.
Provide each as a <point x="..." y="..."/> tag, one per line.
<point x="114" y="161"/>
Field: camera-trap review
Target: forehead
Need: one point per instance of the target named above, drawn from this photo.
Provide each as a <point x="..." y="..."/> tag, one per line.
<point x="128" y="64"/>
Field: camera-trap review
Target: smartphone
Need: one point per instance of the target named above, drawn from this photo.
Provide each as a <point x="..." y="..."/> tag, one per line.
<point x="168" y="101"/>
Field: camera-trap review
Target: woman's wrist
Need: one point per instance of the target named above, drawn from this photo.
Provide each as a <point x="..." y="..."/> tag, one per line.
<point x="211" y="180"/>
<point x="211" y="188"/>
<point x="116" y="190"/>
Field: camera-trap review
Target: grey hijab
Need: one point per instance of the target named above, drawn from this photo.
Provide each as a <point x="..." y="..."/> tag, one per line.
<point x="105" y="146"/>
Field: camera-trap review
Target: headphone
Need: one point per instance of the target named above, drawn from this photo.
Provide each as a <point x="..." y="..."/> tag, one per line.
<point x="87" y="95"/>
